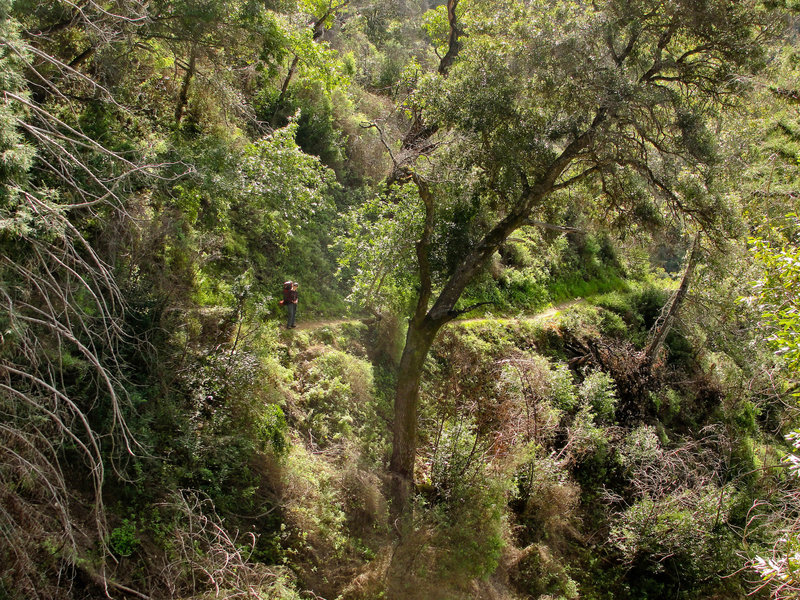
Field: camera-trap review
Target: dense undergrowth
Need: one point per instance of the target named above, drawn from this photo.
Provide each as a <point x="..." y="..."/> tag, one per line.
<point x="533" y="480"/>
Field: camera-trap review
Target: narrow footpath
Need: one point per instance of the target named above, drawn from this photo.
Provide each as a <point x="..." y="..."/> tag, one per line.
<point x="544" y="315"/>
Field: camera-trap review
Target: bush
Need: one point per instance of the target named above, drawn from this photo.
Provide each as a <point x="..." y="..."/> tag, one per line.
<point x="313" y="507"/>
<point x="524" y="288"/>
<point x="681" y="532"/>
<point x="638" y="307"/>
<point x="123" y="540"/>
<point x="336" y="395"/>
<point x="455" y="538"/>
<point x="546" y="502"/>
<point x="471" y="529"/>
<point x="598" y="391"/>
<point x="538" y="572"/>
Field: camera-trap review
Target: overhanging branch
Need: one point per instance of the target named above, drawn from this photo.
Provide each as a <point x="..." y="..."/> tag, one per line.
<point x="457" y="313"/>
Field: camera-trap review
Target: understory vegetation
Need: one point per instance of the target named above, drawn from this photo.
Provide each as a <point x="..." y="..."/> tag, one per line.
<point x="548" y="335"/>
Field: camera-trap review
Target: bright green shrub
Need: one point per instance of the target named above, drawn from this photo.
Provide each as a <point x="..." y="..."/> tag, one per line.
<point x="682" y="531"/>
<point x="518" y="255"/>
<point x="561" y="388"/>
<point x="272" y="430"/>
<point x="524" y="288"/>
<point x="455" y="462"/>
<point x="640" y="447"/>
<point x="336" y="392"/>
<point x="585" y="437"/>
<point x="598" y="391"/>
<point x="638" y="307"/>
<point x="473" y="530"/>
<point x="123" y="539"/>
<point x="315" y="520"/>
<point x="468" y="515"/>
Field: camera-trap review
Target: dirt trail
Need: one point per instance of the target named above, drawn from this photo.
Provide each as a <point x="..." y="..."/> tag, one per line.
<point x="321" y="324"/>
<point x="546" y="314"/>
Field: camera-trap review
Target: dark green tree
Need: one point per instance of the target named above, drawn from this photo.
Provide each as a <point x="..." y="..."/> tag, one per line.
<point x="605" y="106"/>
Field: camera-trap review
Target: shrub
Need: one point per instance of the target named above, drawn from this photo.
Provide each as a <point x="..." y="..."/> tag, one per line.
<point x="123" y="540"/>
<point x="456" y="459"/>
<point x="313" y="504"/>
<point x="561" y="390"/>
<point x="681" y="532"/>
<point x="638" y="307"/>
<point x="542" y="575"/>
<point x="471" y="529"/>
<point x="466" y="513"/>
<point x="524" y="288"/>
<point x="336" y="394"/>
<point x="546" y="502"/>
<point x="272" y="430"/>
<point x="599" y="392"/>
<point x="517" y="254"/>
<point x="205" y="559"/>
<point x="530" y="417"/>
<point x="453" y="540"/>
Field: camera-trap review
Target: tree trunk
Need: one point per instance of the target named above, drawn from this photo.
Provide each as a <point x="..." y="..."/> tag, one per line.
<point x="427" y="322"/>
<point x="284" y="90"/>
<point x="664" y="323"/>
<point x="453" y="41"/>
<point x="183" y="97"/>
<point x="406" y="402"/>
<point x="317" y="32"/>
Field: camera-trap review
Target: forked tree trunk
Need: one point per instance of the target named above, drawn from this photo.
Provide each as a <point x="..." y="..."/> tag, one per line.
<point x="428" y="320"/>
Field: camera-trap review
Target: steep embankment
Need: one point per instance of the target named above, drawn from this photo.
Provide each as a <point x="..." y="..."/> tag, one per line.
<point x="535" y="478"/>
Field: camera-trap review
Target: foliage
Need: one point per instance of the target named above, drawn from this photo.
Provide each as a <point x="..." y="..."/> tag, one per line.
<point x="776" y="296"/>
<point x="778" y="290"/>
<point x="166" y="165"/>
<point x="597" y="390"/>
<point x="122" y="539"/>
<point x="279" y="186"/>
<point x="336" y="396"/>
<point x="377" y="247"/>
<point x="779" y="571"/>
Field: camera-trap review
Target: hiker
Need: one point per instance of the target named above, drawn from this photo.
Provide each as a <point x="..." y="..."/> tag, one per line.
<point x="290" y="301"/>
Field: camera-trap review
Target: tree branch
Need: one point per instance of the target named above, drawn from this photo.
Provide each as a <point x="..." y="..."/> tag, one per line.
<point x="453" y="42"/>
<point x="568" y="182"/>
<point x="423" y="248"/>
<point x="462" y="311"/>
<point x="516" y="218"/>
<point x="658" y="62"/>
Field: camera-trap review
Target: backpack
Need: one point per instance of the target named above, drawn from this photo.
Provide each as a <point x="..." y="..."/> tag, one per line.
<point x="287" y="287"/>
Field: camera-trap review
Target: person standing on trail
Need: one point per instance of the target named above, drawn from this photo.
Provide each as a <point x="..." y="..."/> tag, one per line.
<point x="290" y="301"/>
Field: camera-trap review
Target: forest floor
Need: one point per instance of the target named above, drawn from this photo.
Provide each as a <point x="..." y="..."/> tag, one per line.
<point x="545" y="314"/>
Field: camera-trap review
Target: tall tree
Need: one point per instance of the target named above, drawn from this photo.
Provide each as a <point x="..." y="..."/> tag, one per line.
<point x="603" y="104"/>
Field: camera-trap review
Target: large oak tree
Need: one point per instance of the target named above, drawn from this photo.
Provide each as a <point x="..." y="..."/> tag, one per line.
<point x="606" y="104"/>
